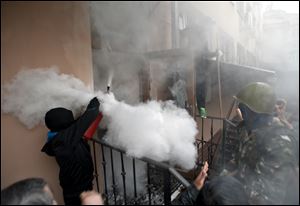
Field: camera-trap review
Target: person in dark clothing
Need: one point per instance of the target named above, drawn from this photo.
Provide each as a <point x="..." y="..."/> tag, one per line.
<point x="222" y="190"/>
<point x="189" y="196"/>
<point x="267" y="162"/>
<point x="71" y="151"/>
<point x="30" y="191"/>
<point x="201" y="84"/>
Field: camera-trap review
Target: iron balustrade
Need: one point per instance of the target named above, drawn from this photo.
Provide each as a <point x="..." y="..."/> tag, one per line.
<point x="167" y="172"/>
<point x="207" y="151"/>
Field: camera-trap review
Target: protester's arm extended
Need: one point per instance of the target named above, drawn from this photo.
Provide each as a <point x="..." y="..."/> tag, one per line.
<point x="87" y="118"/>
<point x="189" y="196"/>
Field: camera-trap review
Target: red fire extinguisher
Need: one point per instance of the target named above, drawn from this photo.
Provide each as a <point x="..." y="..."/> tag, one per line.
<point x="93" y="127"/>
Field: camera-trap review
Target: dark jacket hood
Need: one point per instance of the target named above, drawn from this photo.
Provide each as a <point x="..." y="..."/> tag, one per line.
<point x="58" y="119"/>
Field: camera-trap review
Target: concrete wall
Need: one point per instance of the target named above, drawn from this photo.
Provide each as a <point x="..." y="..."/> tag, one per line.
<point x="160" y="36"/>
<point x="222" y="25"/>
<point x="131" y="26"/>
<point x="39" y="34"/>
<point x="280" y="45"/>
<point x="223" y="13"/>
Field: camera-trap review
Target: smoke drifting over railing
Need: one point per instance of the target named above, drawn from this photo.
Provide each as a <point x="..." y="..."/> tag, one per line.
<point x="171" y="179"/>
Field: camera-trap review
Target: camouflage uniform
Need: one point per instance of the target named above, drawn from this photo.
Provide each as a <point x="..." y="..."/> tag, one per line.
<point x="266" y="161"/>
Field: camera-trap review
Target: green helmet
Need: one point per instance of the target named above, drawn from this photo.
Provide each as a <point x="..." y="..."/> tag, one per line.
<point x="258" y="96"/>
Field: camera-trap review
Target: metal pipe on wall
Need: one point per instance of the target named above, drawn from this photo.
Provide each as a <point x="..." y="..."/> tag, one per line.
<point x="219" y="54"/>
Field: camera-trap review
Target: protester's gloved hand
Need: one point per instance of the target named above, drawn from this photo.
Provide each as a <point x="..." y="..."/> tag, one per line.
<point x="94" y="103"/>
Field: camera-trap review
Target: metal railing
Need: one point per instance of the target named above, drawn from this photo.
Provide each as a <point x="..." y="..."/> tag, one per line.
<point x="207" y="151"/>
<point x="211" y="148"/>
<point x="167" y="171"/>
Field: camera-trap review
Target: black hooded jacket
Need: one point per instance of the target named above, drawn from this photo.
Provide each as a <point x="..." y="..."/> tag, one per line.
<point x="71" y="151"/>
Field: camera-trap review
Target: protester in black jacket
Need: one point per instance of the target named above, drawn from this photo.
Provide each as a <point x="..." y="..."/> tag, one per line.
<point x="72" y="153"/>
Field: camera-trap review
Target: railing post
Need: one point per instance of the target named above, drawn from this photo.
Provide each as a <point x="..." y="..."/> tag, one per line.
<point x="123" y="173"/>
<point x="211" y="141"/>
<point x="223" y="143"/>
<point x="167" y="187"/>
<point x="197" y="143"/>
<point x="148" y="183"/>
<point x="202" y="139"/>
<point x="113" y="176"/>
<point x="104" y="173"/>
<point x="95" y="165"/>
<point x="134" y="181"/>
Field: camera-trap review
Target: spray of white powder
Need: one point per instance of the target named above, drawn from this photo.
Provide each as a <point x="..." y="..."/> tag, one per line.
<point x="157" y="130"/>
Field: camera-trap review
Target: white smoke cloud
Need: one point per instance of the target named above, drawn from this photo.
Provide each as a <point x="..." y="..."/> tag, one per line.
<point x="157" y="130"/>
<point x="33" y="92"/>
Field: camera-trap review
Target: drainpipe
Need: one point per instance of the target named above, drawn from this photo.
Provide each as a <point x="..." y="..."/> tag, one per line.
<point x="219" y="54"/>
